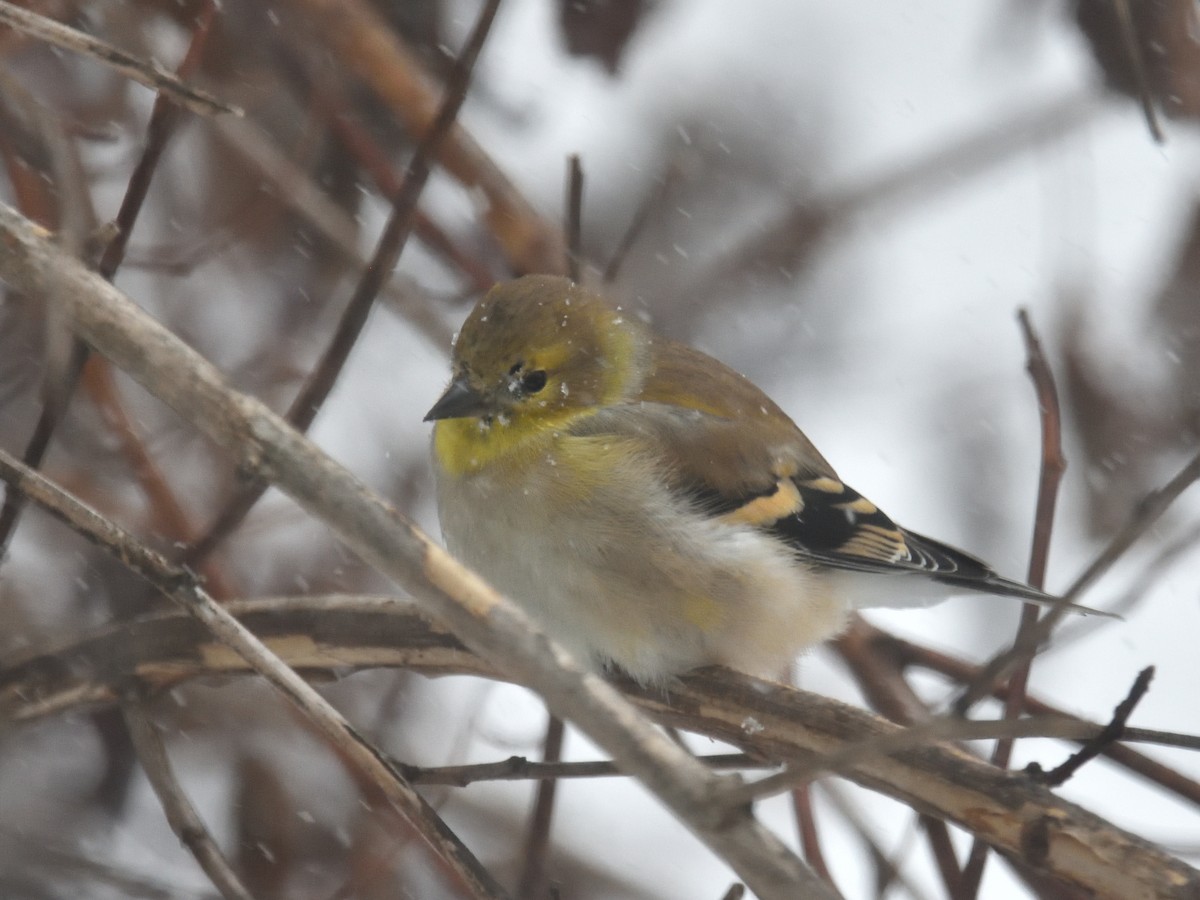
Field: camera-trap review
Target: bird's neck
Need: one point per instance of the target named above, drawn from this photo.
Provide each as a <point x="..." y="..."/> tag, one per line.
<point x="463" y="447"/>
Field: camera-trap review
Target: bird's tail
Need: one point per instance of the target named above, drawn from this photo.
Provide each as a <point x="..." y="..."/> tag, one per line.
<point x="991" y="583"/>
<point x="957" y="569"/>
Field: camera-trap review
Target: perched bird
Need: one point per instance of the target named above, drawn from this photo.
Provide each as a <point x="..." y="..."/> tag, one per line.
<point x="650" y="507"/>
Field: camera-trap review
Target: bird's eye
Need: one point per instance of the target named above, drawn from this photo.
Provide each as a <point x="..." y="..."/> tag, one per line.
<point x="534" y="381"/>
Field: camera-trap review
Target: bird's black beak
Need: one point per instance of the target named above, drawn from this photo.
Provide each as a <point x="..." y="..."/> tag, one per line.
<point x="460" y="401"/>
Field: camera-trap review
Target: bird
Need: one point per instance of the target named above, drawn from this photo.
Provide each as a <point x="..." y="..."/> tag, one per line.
<point x="651" y="509"/>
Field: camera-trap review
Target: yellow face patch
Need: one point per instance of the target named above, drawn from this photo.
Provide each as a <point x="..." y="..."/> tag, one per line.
<point x="464" y="446"/>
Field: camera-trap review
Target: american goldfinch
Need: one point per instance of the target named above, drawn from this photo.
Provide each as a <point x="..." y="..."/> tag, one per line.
<point x="650" y="507"/>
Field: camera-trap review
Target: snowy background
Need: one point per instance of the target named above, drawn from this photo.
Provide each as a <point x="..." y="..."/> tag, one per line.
<point x="890" y="337"/>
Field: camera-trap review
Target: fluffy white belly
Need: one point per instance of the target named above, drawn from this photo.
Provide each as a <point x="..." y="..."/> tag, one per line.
<point x="633" y="576"/>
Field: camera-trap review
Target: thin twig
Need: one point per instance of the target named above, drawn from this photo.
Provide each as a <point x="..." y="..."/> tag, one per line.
<point x="316" y="389"/>
<point x="165" y="118"/>
<point x="887" y="871"/>
<point x="653" y="200"/>
<point x="1112" y="733"/>
<point x="180" y="585"/>
<point x="1137" y="65"/>
<point x="950" y="728"/>
<point x="907" y="653"/>
<point x="181" y="815"/>
<point x="888" y="692"/>
<point x="519" y="768"/>
<point x="537" y="840"/>
<point x="574" y="217"/>
<point x="944" y="855"/>
<point x="1148" y="512"/>
<point x="1054" y="463"/>
<point x="145" y="72"/>
<point x="806" y="824"/>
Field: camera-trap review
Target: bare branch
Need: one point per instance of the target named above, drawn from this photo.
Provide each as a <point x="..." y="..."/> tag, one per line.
<point x="182" y="816"/>
<point x="1137" y="66"/>
<point x="518" y="768"/>
<point x="1147" y="513"/>
<point x="944" y="729"/>
<point x="1111" y="734"/>
<point x="906" y="653"/>
<point x="1054" y="464"/>
<point x="1052" y="468"/>
<point x="145" y="72"/>
<point x="397" y="230"/>
<point x="574" y="230"/>
<point x="334" y="634"/>
<point x="1001" y="807"/>
<point x="810" y="839"/>
<point x="180" y="586"/>
<point x="537" y="840"/>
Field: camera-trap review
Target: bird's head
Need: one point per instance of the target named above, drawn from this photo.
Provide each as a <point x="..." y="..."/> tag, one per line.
<point x="539" y="351"/>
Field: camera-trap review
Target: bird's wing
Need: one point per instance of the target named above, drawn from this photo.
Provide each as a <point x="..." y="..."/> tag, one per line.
<point x="740" y="458"/>
<point x="836" y="526"/>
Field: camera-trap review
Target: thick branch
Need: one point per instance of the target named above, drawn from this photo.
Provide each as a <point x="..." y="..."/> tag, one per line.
<point x="335" y="634"/>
